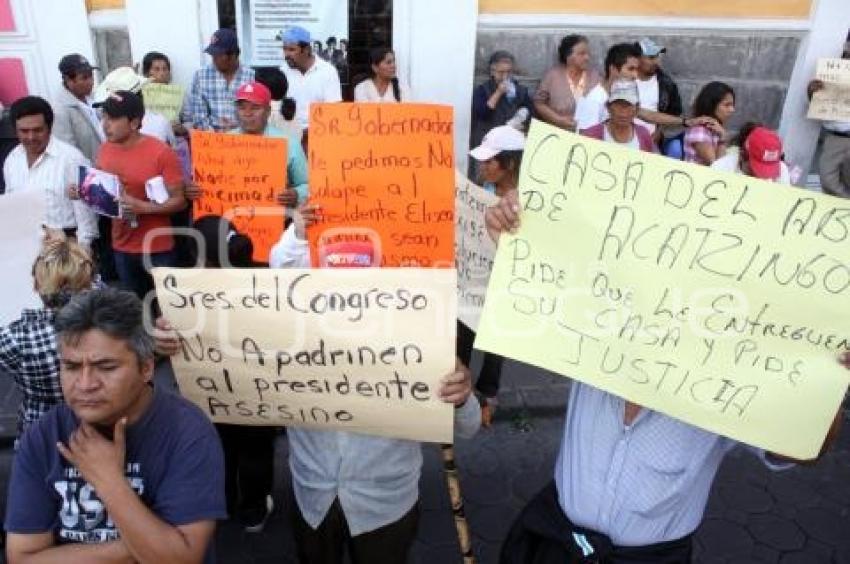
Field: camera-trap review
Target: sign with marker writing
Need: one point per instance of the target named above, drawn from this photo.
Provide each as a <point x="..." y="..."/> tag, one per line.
<point x="241" y="176"/>
<point x="718" y="299"/>
<point x="22" y="215"/>
<point x="387" y="169"/>
<point x="343" y="349"/>
<point x="165" y="99"/>
<point x="474" y="250"/>
<point x="833" y="101"/>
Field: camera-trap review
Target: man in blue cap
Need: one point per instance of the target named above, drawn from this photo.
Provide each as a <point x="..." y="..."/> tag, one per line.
<point x="211" y="100"/>
<point x="311" y="79"/>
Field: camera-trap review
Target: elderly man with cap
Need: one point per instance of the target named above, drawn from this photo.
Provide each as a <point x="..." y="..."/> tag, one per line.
<point x="125" y="78"/>
<point x="620" y="127"/>
<point x="759" y="155"/>
<point x="311" y="79"/>
<point x="135" y="159"/>
<point x="76" y="122"/>
<point x="214" y="86"/>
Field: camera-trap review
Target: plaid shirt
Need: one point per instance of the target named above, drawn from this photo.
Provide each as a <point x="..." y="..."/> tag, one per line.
<point x="699" y="134"/>
<point x="28" y="352"/>
<point x="212" y="99"/>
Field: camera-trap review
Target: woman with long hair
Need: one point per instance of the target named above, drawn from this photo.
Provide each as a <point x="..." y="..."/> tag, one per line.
<point x="384" y="84"/>
<point x="704" y="144"/>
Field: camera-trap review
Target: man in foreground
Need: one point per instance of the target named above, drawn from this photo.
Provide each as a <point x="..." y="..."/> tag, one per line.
<point x="123" y="472"/>
<point x="630" y="484"/>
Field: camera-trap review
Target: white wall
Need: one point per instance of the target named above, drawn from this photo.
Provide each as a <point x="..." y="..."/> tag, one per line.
<point x="830" y="22"/>
<point x="173" y="27"/>
<point x="435" y="43"/>
<point x="60" y="27"/>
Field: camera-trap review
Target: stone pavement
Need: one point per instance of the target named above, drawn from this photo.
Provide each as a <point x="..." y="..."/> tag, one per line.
<point x="801" y="516"/>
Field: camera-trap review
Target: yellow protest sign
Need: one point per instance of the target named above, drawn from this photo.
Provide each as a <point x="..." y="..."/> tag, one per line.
<point x="718" y="299"/>
<point x="165" y="99"/>
<point x="359" y="350"/>
<point x="474" y="250"/>
<point x="833" y="101"/>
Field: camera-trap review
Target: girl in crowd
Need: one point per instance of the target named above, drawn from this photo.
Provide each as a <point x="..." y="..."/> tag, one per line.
<point x="248" y="450"/>
<point x="499" y="157"/>
<point x="566" y="83"/>
<point x="383" y="85"/>
<point x="28" y="345"/>
<point x="352" y="491"/>
<point x="704" y="144"/>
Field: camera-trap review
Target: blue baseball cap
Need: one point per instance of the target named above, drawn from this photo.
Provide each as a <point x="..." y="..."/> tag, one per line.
<point x="294" y="34"/>
<point x="222" y="41"/>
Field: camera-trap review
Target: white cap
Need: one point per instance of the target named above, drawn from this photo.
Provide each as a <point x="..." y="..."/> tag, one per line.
<point x="498" y="139"/>
<point x="625" y="90"/>
<point x="122" y="78"/>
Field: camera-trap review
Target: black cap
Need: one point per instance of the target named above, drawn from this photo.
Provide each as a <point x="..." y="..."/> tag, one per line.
<point x="123" y="104"/>
<point x="222" y="42"/>
<point x="73" y="64"/>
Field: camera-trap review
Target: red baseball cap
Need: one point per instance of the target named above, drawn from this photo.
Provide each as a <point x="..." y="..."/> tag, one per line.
<point x="764" y="149"/>
<point x="254" y="92"/>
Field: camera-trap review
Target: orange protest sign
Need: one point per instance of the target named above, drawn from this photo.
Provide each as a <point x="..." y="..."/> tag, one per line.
<point x="384" y="173"/>
<point x="240" y="176"/>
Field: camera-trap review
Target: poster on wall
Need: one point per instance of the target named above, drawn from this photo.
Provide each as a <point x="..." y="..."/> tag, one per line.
<point x="326" y="20"/>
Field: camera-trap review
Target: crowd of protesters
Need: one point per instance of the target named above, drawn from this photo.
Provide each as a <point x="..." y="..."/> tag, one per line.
<point x="112" y="467"/>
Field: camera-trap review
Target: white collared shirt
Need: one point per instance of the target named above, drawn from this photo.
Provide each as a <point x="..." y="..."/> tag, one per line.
<point x="319" y="84"/>
<point x="366" y="91"/>
<point x="51" y="173"/>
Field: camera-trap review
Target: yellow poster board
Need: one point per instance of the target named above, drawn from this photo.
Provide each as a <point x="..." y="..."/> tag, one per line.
<point x="359" y="350"/>
<point x="718" y="299"/>
<point x="165" y="99"/>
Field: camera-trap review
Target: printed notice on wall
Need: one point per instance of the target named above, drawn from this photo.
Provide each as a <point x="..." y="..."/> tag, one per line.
<point x="240" y="177"/>
<point x="475" y="251"/>
<point x="326" y="20"/>
<point x="832" y="103"/>
<point x="359" y="350"/>
<point x="718" y="299"/>
<point x="383" y="175"/>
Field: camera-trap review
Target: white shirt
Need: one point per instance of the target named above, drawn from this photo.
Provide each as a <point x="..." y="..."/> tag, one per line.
<point x="366" y="91"/>
<point x="51" y="173"/>
<point x="93" y="116"/>
<point x="642" y="483"/>
<point x="376" y="479"/>
<point x="592" y="108"/>
<point x="648" y="96"/>
<point x="729" y="163"/>
<point x="319" y="84"/>
<point x="155" y="125"/>
<point x="633" y="143"/>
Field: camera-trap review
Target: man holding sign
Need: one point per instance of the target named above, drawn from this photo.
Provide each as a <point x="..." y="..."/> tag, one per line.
<point x="631" y="482"/>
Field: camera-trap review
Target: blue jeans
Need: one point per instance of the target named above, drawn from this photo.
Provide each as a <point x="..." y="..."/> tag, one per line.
<point x="132" y="273"/>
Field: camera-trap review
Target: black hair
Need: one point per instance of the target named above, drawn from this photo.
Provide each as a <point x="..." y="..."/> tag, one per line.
<point x="117" y="313"/>
<point x="331" y="38"/>
<point x="31" y="106"/>
<point x="568" y="43"/>
<point x="375" y="57"/>
<point x="619" y="54"/>
<point x="745" y="131"/>
<point x="710" y="97"/>
<point x="223" y="245"/>
<point x="273" y="79"/>
<point x="509" y="160"/>
<point x="150" y="58"/>
<point x="501" y="56"/>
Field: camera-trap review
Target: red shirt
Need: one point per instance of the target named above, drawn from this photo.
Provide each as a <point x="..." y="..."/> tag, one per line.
<point x="134" y="166"/>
